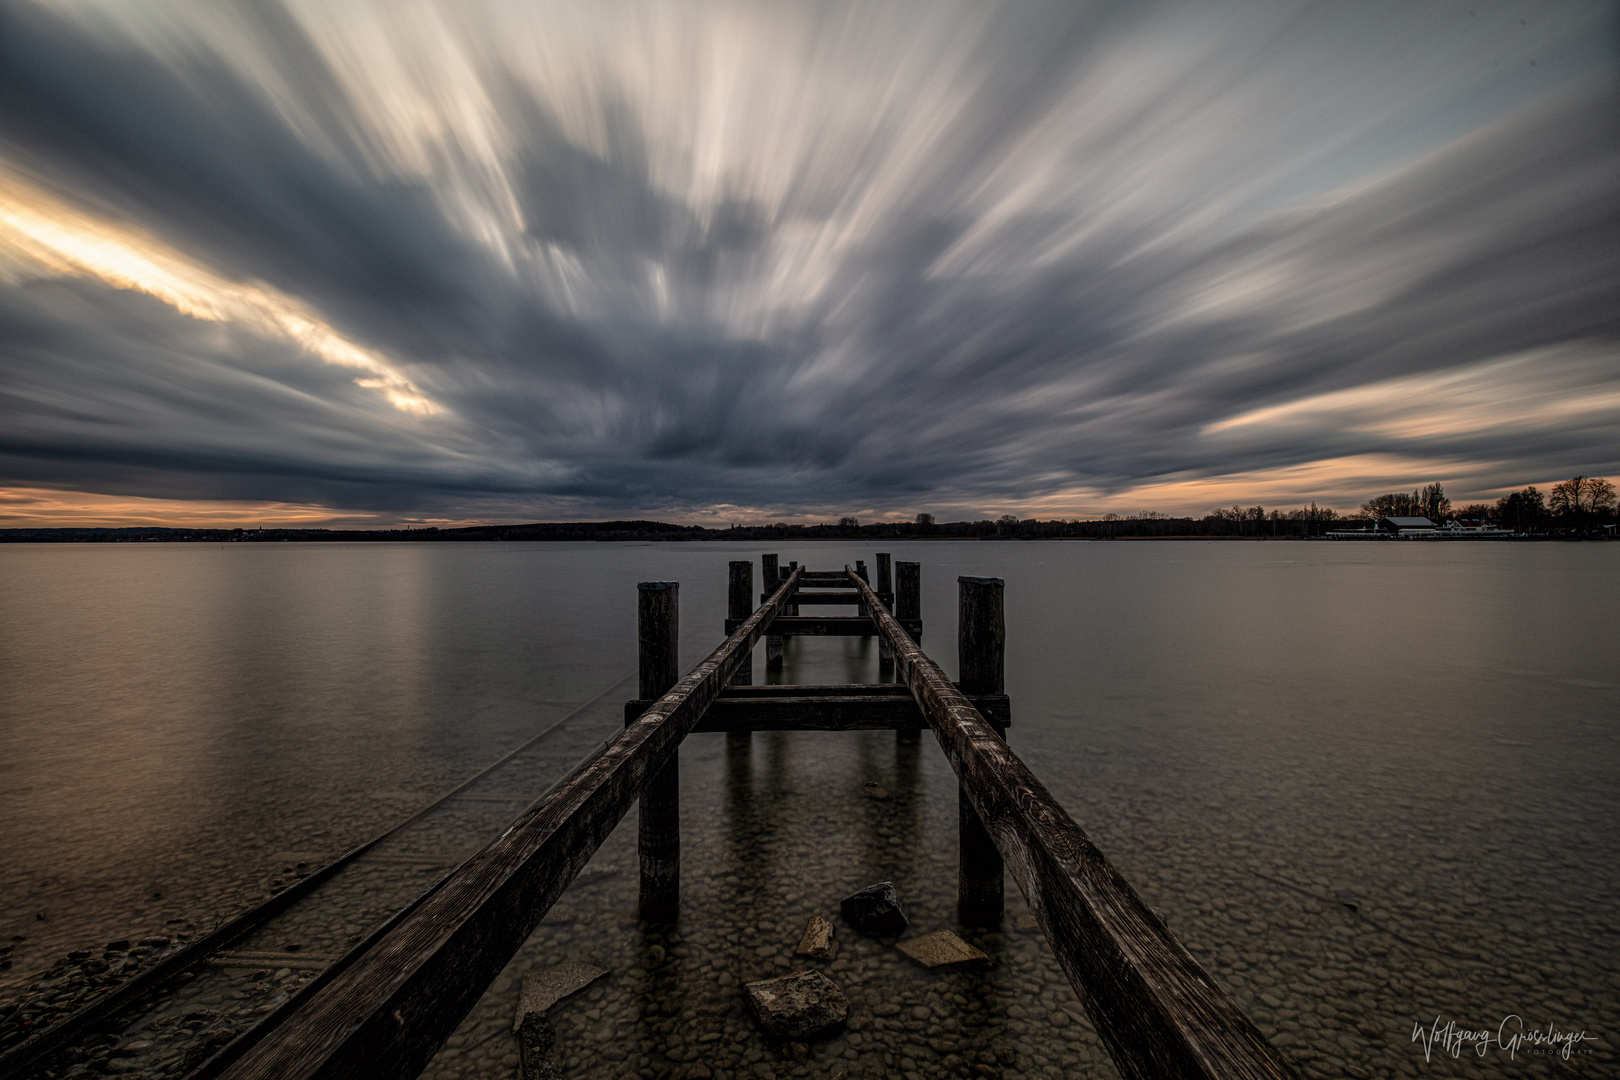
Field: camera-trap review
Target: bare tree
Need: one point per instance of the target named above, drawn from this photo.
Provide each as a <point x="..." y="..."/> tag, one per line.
<point x="848" y="523"/>
<point x="1520" y="510"/>
<point x="925" y="521"/>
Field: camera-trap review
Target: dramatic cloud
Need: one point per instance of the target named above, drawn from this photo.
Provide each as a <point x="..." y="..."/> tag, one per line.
<point x="454" y="262"/>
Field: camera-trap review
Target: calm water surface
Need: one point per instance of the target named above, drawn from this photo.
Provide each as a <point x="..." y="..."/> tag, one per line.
<point x="1258" y="734"/>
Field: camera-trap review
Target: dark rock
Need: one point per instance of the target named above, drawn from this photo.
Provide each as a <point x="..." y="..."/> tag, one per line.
<point x="121" y="945"/>
<point x="537" y="1041"/>
<point x="875" y="909"/>
<point x="799" y="1005"/>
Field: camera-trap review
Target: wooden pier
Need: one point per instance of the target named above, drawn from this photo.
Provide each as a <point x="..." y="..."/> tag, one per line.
<point x="392" y="1002"/>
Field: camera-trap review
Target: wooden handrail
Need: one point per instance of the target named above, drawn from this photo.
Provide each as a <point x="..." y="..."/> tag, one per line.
<point x="395" y="1006"/>
<point x="1157" y="1011"/>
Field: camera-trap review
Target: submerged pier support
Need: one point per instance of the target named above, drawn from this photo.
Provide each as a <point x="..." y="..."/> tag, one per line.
<point x="659" y="837"/>
<point x="981" y="636"/>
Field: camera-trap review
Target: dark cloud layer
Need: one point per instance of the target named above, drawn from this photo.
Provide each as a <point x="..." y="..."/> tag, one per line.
<point x="918" y="261"/>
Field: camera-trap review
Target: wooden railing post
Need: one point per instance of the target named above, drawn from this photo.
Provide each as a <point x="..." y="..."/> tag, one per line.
<point x="860" y="571"/>
<point x="908" y="606"/>
<point x="981" y="637"/>
<point x="885" y="592"/>
<point x="739" y="605"/>
<point x="659" y="839"/>
<point x="770" y="577"/>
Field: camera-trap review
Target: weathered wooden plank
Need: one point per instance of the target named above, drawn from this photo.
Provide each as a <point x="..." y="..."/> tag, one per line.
<point x="395" y="1006"/>
<point x="822" y="577"/>
<point x="853" y="711"/>
<point x="827" y="626"/>
<point x="1157" y="1011"/>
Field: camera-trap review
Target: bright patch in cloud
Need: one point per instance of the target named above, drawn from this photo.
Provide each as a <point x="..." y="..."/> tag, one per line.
<point x="44" y="235"/>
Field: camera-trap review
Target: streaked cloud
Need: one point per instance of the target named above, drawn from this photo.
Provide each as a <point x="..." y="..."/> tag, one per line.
<point x="718" y="261"/>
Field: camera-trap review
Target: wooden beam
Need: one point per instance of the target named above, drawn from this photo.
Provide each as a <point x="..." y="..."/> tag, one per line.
<point x="855" y="710"/>
<point x="1157" y="1011"/>
<point x="826" y="626"/>
<point x="824" y="597"/>
<point x="388" y="1014"/>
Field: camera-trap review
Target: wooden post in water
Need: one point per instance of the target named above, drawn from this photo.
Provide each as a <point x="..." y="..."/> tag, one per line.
<point x="860" y="572"/>
<point x="885" y="591"/>
<point x="659" y="840"/>
<point x="770" y="577"/>
<point x="981" y="637"/>
<point x="740" y="605"/>
<point x="908" y="605"/>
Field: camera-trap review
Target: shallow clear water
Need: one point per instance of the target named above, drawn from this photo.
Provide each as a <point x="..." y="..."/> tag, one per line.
<point x="1257" y="734"/>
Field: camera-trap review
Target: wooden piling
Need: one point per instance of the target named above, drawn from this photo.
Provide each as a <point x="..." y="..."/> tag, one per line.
<point x="860" y="571"/>
<point x="770" y="577"/>
<point x="659" y="839"/>
<point x="908" y="593"/>
<point x="908" y="606"/>
<point x="885" y="592"/>
<point x="981" y="638"/>
<point x="739" y="605"/>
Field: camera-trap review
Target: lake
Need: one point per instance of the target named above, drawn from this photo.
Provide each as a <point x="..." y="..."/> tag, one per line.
<point x="1370" y="786"/>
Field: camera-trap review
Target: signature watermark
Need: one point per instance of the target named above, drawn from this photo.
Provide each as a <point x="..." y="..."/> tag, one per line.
<point x="1510" y="1035"/>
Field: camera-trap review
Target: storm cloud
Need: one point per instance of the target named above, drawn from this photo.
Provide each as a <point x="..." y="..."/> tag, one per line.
<point x="530" y="261"/>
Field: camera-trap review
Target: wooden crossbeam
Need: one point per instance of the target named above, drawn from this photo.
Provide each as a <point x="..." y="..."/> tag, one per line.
<point x="827" y="626"/>
<point x="854" y="708"/>
<point x="846" y="596"/>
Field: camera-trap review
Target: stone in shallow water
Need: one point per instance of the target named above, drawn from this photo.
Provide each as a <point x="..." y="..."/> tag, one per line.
<point x="537" y="1044"/>
<point x="943" y="949"/>
<point x="875" y="790"/>
<point x="549" y="985"/>
<point x="818" y="939"/>
<point x="798" y="1005"/>
<point x="875" y="909"/>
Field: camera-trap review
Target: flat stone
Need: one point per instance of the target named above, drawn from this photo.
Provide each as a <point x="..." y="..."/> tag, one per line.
<point x="817" y="941"/>
<point x="943" y="949"/>
<point x="875" y="909"/>
<point x="549" y="985"/>
<point x="799" y="1005"/>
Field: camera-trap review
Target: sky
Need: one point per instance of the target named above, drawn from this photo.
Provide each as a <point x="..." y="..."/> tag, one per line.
<point x="343" y="263"/>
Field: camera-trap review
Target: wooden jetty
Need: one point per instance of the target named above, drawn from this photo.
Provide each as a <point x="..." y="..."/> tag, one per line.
<point x="395" y="999"/>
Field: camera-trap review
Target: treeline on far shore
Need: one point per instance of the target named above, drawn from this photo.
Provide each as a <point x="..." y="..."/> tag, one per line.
<point x="1236" y="523"/>
<point x="1583" y="506"/>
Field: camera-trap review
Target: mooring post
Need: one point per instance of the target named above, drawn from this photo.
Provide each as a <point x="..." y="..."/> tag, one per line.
<point x="860" y="572"/>
<point x="793" y="609"/>
<point x="740" y="605"/>
<point x="885" y="592"/>
<point x="659" y="840"/>
<point x="770" y="578"/>
<point x="908" y="595"/>
<point x="908" y="609"/>
<point x="981" y="642"/>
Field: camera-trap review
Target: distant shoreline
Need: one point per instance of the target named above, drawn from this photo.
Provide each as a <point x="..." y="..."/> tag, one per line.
<point x="652" y="531"/>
